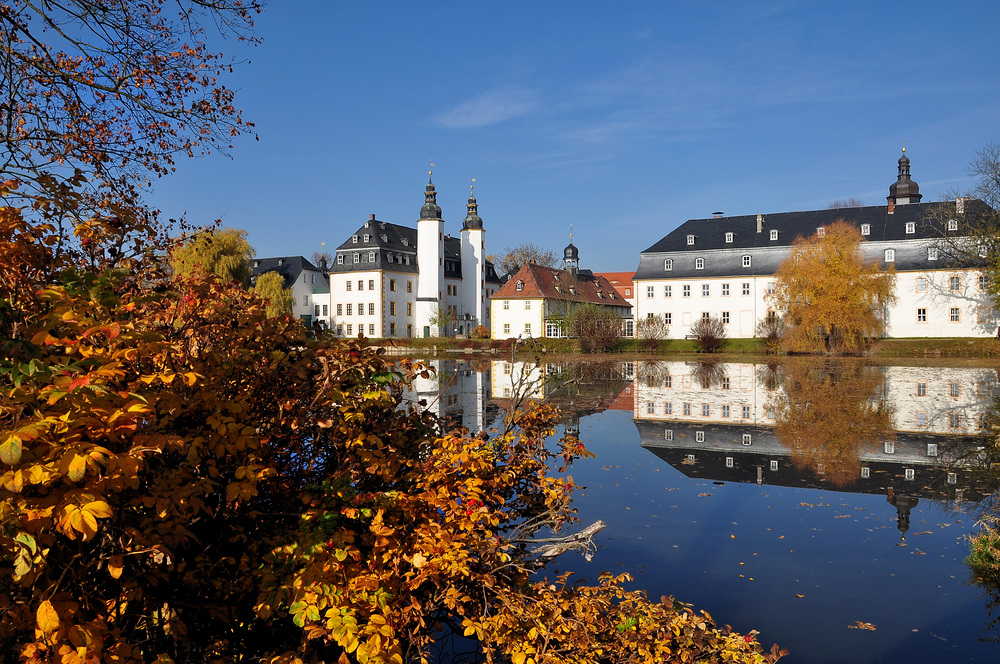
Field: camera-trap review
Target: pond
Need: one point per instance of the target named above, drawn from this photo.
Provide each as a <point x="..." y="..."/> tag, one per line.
<point x="825" y="504"/>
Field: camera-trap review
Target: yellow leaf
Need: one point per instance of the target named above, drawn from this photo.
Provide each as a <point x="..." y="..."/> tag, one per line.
<point x="115" y="565"/>
<point x="77" y="468"/>
<point x="47" y="618"/>
<point x="99" y="509"/>
<point x="518" y="658"/>
<point x="419" y="560"/>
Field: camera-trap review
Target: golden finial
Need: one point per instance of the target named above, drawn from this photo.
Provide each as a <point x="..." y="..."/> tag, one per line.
<point x="571" y="233"/>
<point x="472" y="186"/>
<point x="430" y="171"/>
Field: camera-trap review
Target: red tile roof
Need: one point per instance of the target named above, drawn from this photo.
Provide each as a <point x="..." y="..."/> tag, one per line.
<point x="551" y="283"/>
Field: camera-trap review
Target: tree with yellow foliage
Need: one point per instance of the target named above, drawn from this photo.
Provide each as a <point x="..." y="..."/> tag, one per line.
<point x="834" y="300"/>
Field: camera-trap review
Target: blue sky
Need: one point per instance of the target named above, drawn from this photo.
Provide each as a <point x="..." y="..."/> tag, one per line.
<point x="620" y="119"/>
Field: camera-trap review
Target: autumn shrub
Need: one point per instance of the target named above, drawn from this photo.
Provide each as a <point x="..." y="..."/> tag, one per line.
<point x="480" y="332"/>
<point x="651" y="331"/>
<point x="709" y="334"/>
<point x="770" y="328"/>
<point x="596" y="329"/>
<point x="984" y="553"/>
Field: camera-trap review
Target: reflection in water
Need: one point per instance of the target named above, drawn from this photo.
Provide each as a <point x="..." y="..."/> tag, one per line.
<point x="829" y="414"/>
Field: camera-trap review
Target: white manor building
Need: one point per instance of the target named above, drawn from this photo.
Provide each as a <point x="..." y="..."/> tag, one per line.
<point x="724" y="266"/>
<point x="388" y="280"/>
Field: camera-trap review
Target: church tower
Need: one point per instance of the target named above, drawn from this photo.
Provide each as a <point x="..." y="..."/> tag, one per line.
<point x="903" y="190"/>
<point x="430" y="262"/>
<point x="473" y="267"/>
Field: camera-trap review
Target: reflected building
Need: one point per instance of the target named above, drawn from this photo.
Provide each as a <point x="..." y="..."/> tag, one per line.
<point x="905" y="432"/>
<point x="455" y="392"/>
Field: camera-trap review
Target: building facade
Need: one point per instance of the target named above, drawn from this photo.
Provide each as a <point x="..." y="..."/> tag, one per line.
<point x="724" y="266"/>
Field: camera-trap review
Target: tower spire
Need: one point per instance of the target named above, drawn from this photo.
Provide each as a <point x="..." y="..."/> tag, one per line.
<point x="430" y="210"/>
<point x="472" y="220"/>
<point x="903" y="190"/>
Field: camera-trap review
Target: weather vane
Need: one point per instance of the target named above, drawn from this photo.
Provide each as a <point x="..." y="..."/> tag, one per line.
<point x="472" y="186"/>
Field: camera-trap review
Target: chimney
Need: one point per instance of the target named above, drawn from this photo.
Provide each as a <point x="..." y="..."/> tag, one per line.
<point x="718" y="215"/>
<point x="760" y="223"/>
<point x="960" y="204"/>
<point x="892" y="206"/>
<point x="372" y="217"/>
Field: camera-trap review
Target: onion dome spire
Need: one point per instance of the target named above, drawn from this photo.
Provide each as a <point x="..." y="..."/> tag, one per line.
<point x="430" y="210"/>
<point x="904" y="190"/>
<point x="472" y="220"/>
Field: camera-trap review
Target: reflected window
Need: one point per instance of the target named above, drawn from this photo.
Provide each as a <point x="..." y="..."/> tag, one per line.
<point x="651" y="408"/>
<point x="747" y="439"/>
<point x="921" y="389"/>
<point x="725" y="410"/>
<point x="706" y="410"/>
<point x="774" y="464"/>
<point x="668" y="381"/>
<point x="921" y="419"/>
<point x="668" y="434"/>
<point x="746" y="412"/>
<point x="889" y="447"/>
<point x="932" y="450"/>
<point x="668" y="408"/>
<point x="909" y="473"/>
<point x="729" y="462"/>
<point x="954" y="390"/>
<point x="690" y="458"/>
<point x="699" y="436"/>
<point x="866" y="472"/>
<point x="952" y="478"/>
<point x="686" y="408"/>
<point x="725" y="382"/>
<point x="954" y="420"/>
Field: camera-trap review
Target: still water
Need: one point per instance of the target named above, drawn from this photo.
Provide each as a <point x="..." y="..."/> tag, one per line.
<point x="825" y="504"/>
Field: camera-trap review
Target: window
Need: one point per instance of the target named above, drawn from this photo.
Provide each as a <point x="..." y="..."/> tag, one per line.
<point x="349" y="285"/>
<point x="388" y="256"/>
<point x="354" y="239"/>
<point x="705" y="315"/>
<point x="820" y="232"/>
<point x="770" y="288"/>
<point x="668" y="434"/>
<point x="668" y="318"/>
<point x="729" y="462"/>
<point x="954" y="420"/>
<point x="699" y="263"/>
<point x="409" y="286"/>
<point x="705" y="290"/>
<point x="690" y="240"/>
<point x="866" y="229"/>
<point x="746" y="261"/>
<point x="409" y="309"/>
<point x="921" y="418"/>
<point x="686" y="408"/>
<point x="954" y="283"/>
<point x="349" y="328"/>
<point x="687" y="290"/>
<point x="953" y="224"/>
<point x="650" y="291"/>
<point x="392" y="329"/>
<point x="909" y="473"/>
<point x="392" y="308"/>
<point x="921" y="284"/>
<point x="340" y="329"/>
<point x="866" y="472"/>
<point x="984" y="314"/>
<point x="527" y="329"/>
<point x="519" y="286"/>
<point x="371" y="256"/>
<point x="725" y="289"/>
<point x="725" y="410"/>
<point x="889" y="447"/>
<point x="506" y="328"/>
<point x="361" y="285"/>
<point x="911" y="227"/>
<point x="357" y="258"/>
<point x="651" y="408"/>
<point x="668" y="264"/>
<point x="921" y="315"/>
<point x="340" y="310"/>
<point x="955" y="315"/>
<point x="371" y="284"/>
<point x="725" y="318"/>
<point x="774" y="464"/>
<point x="729" y="237"/>
<point x="699" y="436"/>
<point x="392" y="285"/>
<point x="747" y="439"/>
<point x="954" y="390"/>
<point x="326" y="310"/>
<point x="340" y="259"/>
<point x="984" y="282"/>
<point x="921" y="389"/>
<point x="371" y="329"/>
<point x="316" y="311"/>
<point x="350" y="309"/>
<point x="361" y="308"/>
<point x="371" y="309"/>
<point x="527" y="304"/>
<point x="628" y="292"/>
<point x="932" y="253"/>
<point x="890" y="255"/>
<point x="746" y="412"/>
<point x="668" y="291"/>
<point x="506" y="304"/>
<point x="746" y="288"/>
<point x="305" y="300"/>
<point x="668" y="408"/>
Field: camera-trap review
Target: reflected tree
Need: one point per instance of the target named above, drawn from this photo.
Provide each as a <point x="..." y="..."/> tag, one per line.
<point x="829" y="413"/>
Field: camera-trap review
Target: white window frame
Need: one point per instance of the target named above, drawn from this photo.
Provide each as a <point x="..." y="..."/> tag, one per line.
<point x="890" y="255"/>
<point x="729" y="237"/>
<point x="690" y="240"/>
<point x="866" y="229"/>
<point x="699" y="263"/>
<point x="668" y="264"/>
<point x="911" y="227"/>
<point x="747" y="260"/>
<point x="774" y="234"/>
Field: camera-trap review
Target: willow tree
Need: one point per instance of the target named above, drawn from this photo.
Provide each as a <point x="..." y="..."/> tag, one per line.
<point x="834" y="300"/>
<point x="270" y="287"/>
<point x="225" y="252"/>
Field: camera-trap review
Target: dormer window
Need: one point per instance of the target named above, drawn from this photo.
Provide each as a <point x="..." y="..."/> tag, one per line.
<point x="690" y="240"/>
<point x="981" y="250"/>
<point x="699" y="263"/>
<point x="388" y="257"/>
<point x="668" y="264"/>
<point x="866" y="229"/>
<point x="572" y="290"/>
<point x="932" y="253"/>
<point x="354" y="239"/>
<point x="890" y="255"/>
<point x="385" y="238"/>
<point x="953" y="224"/>
<point x="406" y="242"/>
<point x="774" y="234"/>
<point x="406" y="259"/>
<point x="820" y="232"/>
<point x="367" y="237"/>
<point x="911" y="227"/>
<point x="600" y="295"/>
<point x="519" y="286"/>
<point x="340" y="259"/>
<point x="746" y="261"/>
<point x="729" y="238"/>
<point x="371" y="256"/>
<point x="256" y="263"/>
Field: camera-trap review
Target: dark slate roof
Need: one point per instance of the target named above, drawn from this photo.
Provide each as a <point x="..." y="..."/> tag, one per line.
<point x="889" y="230"/>
<point x="385" y="237"/>
<point x="289" y="267"/>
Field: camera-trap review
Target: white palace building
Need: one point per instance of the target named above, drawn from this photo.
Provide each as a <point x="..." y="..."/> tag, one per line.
<point x="724" y="266"/>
